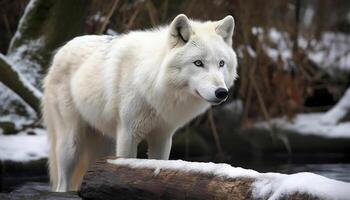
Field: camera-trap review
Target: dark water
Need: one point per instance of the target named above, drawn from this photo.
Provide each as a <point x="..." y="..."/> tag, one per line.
<point x="332" y="166"/>
<point x="338" y="171"/>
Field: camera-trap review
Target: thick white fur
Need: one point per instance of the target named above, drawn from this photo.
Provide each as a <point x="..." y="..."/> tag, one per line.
<point x="141" y="85"/>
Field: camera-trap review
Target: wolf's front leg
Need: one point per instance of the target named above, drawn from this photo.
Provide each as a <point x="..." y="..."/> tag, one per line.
<point x="159" y="145"/>
<point x="126" y="143"/>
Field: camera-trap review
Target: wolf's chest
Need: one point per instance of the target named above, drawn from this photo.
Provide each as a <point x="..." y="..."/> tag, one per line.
<point x="179" y="115"/>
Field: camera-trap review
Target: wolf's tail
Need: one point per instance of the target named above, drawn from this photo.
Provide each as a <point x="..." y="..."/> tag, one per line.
<point x="47" y="111"/>
<point x="52" y="162"/>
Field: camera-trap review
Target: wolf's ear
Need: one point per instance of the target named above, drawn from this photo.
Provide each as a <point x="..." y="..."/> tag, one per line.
<point x="180" y="29"/>
<point x="225" y="28"/>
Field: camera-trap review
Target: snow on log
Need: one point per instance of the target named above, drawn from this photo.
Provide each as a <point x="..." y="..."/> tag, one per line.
<point x="14" y="81"/>
<point x="155" y="179"/>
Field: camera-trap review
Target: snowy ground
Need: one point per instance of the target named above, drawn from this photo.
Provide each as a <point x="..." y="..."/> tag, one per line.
<point x="310" y="124"/>
<point x="266" y="186"/>
<point x="23" y="147"/>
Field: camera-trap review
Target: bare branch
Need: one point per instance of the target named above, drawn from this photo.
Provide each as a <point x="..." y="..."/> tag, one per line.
<point x="14" y="81"/>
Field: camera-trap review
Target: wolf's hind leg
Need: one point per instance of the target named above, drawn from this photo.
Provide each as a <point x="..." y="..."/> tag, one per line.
<point x="68" y="149"/>
<point x="95" y="146"/>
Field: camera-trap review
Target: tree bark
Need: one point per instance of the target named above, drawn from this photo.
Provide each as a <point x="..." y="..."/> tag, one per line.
<point x="14" y="81"/>
<point x="108" y="181"/>
<point x="44" y="26"/>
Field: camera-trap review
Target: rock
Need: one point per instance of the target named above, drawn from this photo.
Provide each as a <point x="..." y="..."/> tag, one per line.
<point x="38" y="191"/>
<point x="4" y="196"/>
<point x="7" y="128"/>
<point x="14" y="174"/>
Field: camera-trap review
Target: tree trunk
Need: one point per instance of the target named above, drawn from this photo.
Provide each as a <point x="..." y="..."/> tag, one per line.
<point x="44" y="26"/>
<point x="109" y="181"/>
<point x="16" y="83"/>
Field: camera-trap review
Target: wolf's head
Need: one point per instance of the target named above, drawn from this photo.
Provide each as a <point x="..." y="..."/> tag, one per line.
<point x="201" y="58"/>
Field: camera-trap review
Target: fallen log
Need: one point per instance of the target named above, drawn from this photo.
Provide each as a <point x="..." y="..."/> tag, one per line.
<point x="137" y="179"/>
<point x="108" y="181"/>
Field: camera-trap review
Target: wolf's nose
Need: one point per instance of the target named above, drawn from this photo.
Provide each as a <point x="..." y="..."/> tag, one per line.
<point x="221" y="93"/>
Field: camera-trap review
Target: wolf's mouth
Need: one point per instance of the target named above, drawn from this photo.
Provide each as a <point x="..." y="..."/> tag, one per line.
<point x="216" y="102"/>
<point x="211" y="102"/>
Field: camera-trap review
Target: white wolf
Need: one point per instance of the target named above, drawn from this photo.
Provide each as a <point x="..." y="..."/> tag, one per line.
<point x="105" y="94"/>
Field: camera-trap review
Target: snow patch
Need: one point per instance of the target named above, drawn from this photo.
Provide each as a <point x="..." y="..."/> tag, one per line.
<point x="257" y="30"/>
<point x="11" y="105"/>
<point x="310" y="124"/>
<point x="251" y="52"/>
<point x="280" y="47"/>
<point x="29" y="69"/>
<point x="339" y="111"/>
<point x="266" y="185"/>
<point x="23" y="147"/>
<point x="17" y="54"/>
<point x="98" y="17"/>
<point x="111" y="32"/>
<point x="273" y="186"/>
<point x="332" y="51"/>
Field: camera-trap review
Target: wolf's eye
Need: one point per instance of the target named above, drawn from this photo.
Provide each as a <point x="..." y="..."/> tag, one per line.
<point x="221" y="63"/>
<point x="198" y="63"/>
